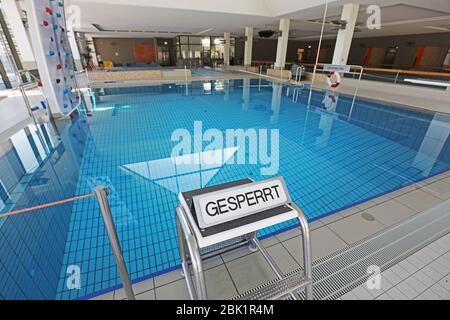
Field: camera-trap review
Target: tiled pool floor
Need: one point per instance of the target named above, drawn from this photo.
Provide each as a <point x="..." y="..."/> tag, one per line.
<point x="237" y="271"/>
<point x="330" y="158"/>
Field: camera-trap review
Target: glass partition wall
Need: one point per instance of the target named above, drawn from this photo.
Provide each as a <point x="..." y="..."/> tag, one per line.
<point x="200" y="51"/>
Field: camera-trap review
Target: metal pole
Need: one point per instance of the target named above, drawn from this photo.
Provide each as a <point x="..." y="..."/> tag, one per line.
<point x="318" y="51"/>
<point x="102" y="193"/>
<point x="307" y="260"/>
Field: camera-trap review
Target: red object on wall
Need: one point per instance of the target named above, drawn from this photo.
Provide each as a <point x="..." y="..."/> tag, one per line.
<point x="58" y="66"/>
<point x="48" y="10"/>
<point x="144" y="53"/>
<point x="419" y="55"/>
<point x="39" y="84"/>
<point x="367" y="56"/>
<point x="45" y="23"/>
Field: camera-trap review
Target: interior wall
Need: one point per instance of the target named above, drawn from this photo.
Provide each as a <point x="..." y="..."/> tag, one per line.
<point x="120" y="50"/>
<point x="265" y="49"/>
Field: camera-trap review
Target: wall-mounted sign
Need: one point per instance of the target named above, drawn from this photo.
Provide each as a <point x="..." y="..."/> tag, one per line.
<point x="336" y="68"/>
<point x="230" y="204"/>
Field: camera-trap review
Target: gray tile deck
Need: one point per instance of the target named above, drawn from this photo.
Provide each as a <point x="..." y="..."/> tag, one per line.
<point x="423" y="275"/>
<point x="355" y="228"/>
<point x="408" y="281"/>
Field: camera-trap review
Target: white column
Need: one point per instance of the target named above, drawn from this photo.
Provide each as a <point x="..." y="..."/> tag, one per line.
<point x="226" y="54"/>
<point x="282" y="43"/>
<point x="74" y="48"/>
<point x="248" y="46"/>
<point x="344" y="38"/>
<point x="12" y="14"/>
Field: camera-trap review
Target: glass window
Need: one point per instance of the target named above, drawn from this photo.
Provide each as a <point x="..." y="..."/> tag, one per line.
<point x="206" y="42"/>
<point x="184" y="39"/>
<point x="195" y="40"/>
<point x="184" y="51"/>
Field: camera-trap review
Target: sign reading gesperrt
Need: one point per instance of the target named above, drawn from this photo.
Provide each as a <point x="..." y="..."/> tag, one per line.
<point x="336" y="68"/>
<point x="230" y="204"/>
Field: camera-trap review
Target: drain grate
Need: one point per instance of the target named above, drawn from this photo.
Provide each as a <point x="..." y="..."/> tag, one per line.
<point x="346" y="269"/>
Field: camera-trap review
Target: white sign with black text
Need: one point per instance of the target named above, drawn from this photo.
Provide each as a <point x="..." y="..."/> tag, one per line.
<point x="336" y="68"/>
<point x="230" y="204"/>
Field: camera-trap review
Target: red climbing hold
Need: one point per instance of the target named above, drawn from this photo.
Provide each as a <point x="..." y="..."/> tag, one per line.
<point x="58" y="66"/>
<point x="39" y="84"/>
<point x="45" y="23"/>
<point x="48" y="10"/>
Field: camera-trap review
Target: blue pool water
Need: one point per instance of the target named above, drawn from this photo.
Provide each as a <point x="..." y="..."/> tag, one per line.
<point x="332" y="155"/>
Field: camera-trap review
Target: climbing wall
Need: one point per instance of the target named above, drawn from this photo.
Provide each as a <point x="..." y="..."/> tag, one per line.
<point x="53" y="55"/>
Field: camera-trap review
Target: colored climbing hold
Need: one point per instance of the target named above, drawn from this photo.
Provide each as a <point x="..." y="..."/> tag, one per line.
<point x="66" y="105"/>
<point x="77" y="97"/>
<point x="39" y="84"/>
<point x="55" y="27"/>
<point x="58" y="81"/>
<point x="58" y="15"/>
<point x="35" y="108"/>
<point x="44" y="106"/>
<point x="45" y="23"/>
<point x="51" y="53"/>
<point x="61" y="4"/>
<point x="66" y="91"/>
<point x="48" y="10"/>
<point x="58" y="66"/>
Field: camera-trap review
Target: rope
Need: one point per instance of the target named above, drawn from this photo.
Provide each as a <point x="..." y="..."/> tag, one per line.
<point x="51" y="204"/>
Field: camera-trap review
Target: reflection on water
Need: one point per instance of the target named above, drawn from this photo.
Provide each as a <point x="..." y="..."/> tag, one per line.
<point x="183" y="173"/>
<point x="35" y="170"/>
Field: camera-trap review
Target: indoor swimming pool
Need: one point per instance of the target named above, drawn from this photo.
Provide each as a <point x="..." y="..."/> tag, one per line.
<point x="333" y="154"/>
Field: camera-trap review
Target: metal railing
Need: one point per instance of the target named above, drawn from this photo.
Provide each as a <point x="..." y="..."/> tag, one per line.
<point x="319" y="67"/>
<point x="396" y="76"/>
<point x="101" y="192"/>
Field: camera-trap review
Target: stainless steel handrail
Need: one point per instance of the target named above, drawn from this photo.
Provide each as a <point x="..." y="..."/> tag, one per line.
<point x="307" y="259"/>
<point x="298" y="75"/>
<point x="194" y="254"/>
<point x="102" y="193"/>
<point x="190" y="254"/>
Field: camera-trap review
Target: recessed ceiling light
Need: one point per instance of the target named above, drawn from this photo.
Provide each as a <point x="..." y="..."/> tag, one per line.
<point x="437" y="28"/>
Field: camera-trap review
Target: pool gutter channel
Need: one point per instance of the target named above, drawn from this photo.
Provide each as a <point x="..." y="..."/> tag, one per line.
<point x="348" y="268"/>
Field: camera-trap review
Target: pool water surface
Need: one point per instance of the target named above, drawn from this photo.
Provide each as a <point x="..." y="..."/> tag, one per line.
<point x="333" y="154"/>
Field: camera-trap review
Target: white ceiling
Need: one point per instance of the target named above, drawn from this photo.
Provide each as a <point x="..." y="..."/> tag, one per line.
<point x="167" y="18"/>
